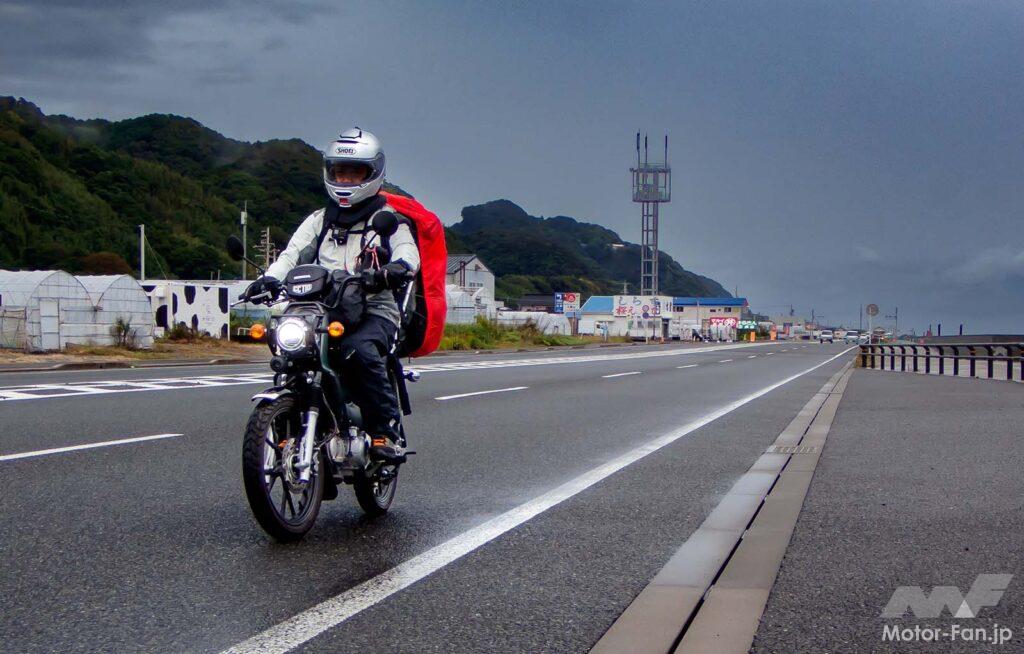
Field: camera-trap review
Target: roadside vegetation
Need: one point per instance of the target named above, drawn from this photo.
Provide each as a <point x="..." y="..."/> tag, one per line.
<point x="488" y="335"/>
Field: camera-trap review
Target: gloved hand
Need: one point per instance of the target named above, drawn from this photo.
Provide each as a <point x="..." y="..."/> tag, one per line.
<point x="262" y="285"/>
<point x="392" y="276"/>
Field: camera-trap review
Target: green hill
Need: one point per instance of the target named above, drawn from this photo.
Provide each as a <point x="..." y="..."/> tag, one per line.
<point x="529" y="254"/>
<point x="73" y="192"/>
<point x="70" y="189"/>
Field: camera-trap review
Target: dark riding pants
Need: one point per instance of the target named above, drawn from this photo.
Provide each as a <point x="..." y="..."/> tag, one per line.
<point x="362" y="357"/>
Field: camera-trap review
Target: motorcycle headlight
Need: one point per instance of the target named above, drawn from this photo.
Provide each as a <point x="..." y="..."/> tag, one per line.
<point x="291" y="334"/>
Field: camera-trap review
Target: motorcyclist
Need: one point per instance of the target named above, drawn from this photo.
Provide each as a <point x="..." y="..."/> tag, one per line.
<point x="353" y="174"/>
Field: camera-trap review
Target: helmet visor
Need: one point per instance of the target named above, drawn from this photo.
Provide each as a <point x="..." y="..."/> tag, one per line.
<point x="346" y="172"/>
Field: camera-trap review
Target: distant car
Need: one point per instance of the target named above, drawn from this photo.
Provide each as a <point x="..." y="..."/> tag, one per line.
<point x="825" y="335"/>
<point x="851" y="337"/>
<point x="863" y="338"/>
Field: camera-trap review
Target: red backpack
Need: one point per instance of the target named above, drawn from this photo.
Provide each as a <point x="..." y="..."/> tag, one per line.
<point x="423" y="326"/>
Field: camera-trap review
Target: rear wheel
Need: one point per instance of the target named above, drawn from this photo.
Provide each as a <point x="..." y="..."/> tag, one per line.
<point x="284" y="507"/>
<point x="376" y="491"/>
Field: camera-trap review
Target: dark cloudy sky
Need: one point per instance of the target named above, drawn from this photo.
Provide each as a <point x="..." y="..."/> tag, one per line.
<point x="825" y="154"/>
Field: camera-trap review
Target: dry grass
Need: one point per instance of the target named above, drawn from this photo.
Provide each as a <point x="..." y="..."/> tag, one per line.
<point x="199" y="349"/>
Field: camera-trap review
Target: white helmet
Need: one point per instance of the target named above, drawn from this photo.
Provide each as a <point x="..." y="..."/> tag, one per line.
<point x="354" y="146"/>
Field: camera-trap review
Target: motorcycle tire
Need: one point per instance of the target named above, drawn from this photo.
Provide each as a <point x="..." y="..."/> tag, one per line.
<point x="374" y="497"/>
<point x="270" y="428"/>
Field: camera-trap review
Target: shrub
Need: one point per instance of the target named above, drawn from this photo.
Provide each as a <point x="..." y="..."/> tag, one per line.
<point x="124" y="334"/>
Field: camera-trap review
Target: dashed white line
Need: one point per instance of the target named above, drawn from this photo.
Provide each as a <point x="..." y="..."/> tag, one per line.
<point x="621" y="374"/>
<point x="689" y="365"/>
<point x="768" y="354"/>
<point x="107" y="387"/>
<point x="496" y="390"/>
<point x="308" y="624"/>
<point x="725" y="361"/>
<point x="87" y="446"/>
<point x="752" y="356"/>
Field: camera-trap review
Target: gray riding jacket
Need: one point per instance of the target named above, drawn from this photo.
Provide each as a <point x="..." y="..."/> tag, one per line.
<point x="345" y="256"/>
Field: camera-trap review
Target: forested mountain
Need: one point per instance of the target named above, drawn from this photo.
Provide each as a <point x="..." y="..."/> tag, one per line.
<point x="73" y="192"/>
<point x="544" y="255"/>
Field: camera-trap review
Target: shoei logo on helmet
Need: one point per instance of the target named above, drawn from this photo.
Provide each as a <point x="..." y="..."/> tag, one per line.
<point x="341" y="150"/>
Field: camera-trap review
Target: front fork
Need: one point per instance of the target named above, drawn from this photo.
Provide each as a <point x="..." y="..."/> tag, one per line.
<point x="304" y="465"/>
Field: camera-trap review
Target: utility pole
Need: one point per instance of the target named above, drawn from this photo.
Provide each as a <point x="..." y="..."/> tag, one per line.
<point x="245" y="244"/>
<point x="266" y="248"/>
<point x="142" y="251"/>
<point x="896" y="322"/>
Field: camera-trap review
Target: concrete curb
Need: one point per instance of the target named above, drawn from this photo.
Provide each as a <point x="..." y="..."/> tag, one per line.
<point x="710" y="595"/>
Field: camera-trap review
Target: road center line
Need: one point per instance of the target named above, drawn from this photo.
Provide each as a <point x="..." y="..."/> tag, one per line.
<point x="768" y="354"/>
<point x="315" y="620"/>
<point x="725" y="361"/>
<point x="689" y="365"/>
<point x="496" y="390"/>
<point x="621" y="374"/>
<point x="86" y="446"/>
<point x="752" y="356"/>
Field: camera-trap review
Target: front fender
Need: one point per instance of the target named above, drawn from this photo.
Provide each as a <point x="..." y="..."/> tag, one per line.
<point x="272" y="394"/>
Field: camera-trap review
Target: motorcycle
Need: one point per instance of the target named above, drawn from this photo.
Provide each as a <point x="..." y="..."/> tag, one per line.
<point x="305" y="436"/>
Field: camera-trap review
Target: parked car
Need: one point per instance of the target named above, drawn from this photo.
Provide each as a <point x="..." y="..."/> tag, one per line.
<point x="825" y="335"/>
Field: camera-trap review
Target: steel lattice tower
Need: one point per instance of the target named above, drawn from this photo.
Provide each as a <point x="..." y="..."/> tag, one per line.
<point x="652" y="185"/>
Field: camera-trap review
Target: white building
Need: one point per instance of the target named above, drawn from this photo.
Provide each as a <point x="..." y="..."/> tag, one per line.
<point x="636" y="316"/>
<point x="121" y="297"/>
<point x="46" y="310"/>
<point x="468" y="271"/>
<point x="201" y="306"/>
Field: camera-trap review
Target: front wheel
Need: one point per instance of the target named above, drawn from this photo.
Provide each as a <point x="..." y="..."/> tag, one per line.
<point x="284" y="507"/>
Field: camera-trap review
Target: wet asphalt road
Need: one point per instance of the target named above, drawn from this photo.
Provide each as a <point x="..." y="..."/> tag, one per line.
<point x="150" y="546"/>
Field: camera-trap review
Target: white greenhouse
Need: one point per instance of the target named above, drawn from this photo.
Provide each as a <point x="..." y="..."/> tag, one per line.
<point x="44" y="310"/>
<point x="546" y="323"/>
<point x="120" y="297"/>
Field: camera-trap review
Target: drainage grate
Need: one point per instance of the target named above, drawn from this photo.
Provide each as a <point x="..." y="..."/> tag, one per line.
<point x="792" y="449"/>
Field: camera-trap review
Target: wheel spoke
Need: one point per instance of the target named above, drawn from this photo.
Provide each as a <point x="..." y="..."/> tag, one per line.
<point x="291" y="506"/>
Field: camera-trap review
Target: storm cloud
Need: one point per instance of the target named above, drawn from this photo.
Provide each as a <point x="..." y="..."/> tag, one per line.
<point x="825" y="155"/>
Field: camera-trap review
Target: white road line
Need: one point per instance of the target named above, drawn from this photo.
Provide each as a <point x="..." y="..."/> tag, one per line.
<point x="725" y="361"/>
<point x="107" y="387"/>
<point x="87" y="446"/>
<point x="689" y="365"/>
<point x="768" y="354"/>
<point x="496" y="390"/>
<point x="312" y="622"/>
<point x="752" y="356"/>
<point x="621" y="374"/>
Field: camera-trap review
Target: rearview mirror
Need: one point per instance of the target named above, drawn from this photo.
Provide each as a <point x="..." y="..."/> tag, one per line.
<point x="235" y="248"/>
<point x="384" y="223"/>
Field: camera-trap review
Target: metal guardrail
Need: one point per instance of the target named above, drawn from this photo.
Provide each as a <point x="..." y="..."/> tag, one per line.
<point x="946" y="359"/>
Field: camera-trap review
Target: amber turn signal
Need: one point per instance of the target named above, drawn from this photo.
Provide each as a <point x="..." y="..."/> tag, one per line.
<point x="257" y="331"/>
<point x="335" y="329"/>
